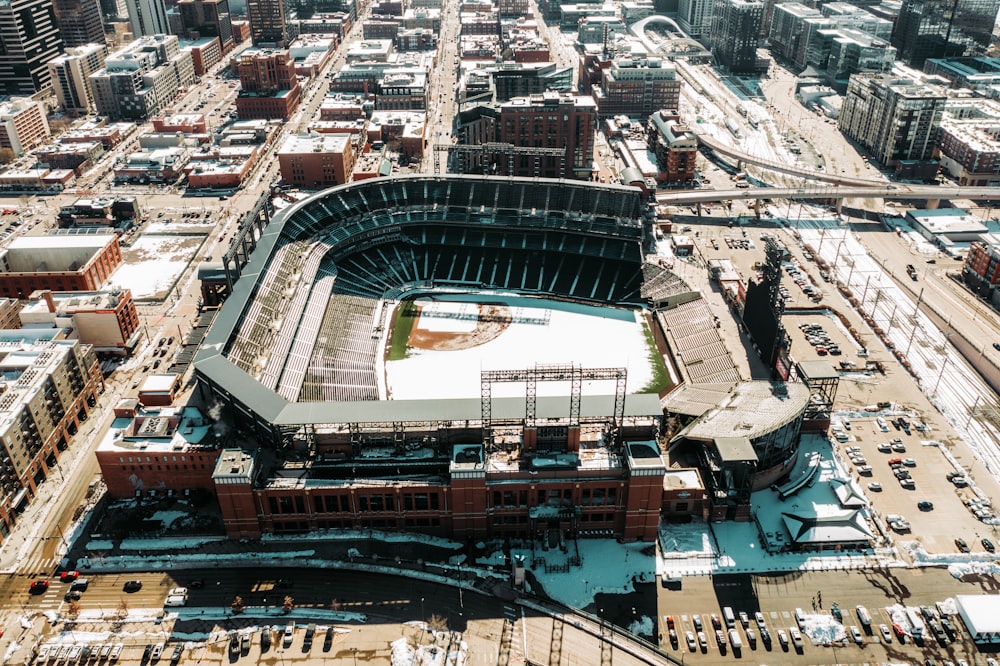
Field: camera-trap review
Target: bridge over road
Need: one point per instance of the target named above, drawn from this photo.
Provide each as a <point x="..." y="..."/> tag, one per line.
<point x="931" y="193"/>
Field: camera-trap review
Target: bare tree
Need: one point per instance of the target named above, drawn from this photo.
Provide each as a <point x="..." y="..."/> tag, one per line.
<point x="6" y="156"/>
<point x="73" y="609"/>
<point x="288" y="604"/>
<point x="438" y="623"/>
<point x="335" y="605"/>
<point x="122" y="609"/>
<point x="237" y="605"/>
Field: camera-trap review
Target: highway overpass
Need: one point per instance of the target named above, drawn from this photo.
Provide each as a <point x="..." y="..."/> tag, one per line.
<point x="743" y="158"/>
<point x="881" y="191"/>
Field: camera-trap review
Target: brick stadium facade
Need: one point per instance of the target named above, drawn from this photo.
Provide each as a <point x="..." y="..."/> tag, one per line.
<point x="433" y="466"/>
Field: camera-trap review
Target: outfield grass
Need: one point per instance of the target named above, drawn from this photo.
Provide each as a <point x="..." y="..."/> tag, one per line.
<point x="660" y="380"/>
<point x="402" y="326"/>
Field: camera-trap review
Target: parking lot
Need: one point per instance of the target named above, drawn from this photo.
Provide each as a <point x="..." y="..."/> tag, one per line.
<point x="918" y="455"/>
<point x="888" y="637"/>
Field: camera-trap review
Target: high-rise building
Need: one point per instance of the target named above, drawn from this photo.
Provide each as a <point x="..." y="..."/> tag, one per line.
<point x="79" y="22"/>
<point x="942" y="29"/>
<point x="208" y="18"/>
<point x="29" y="39"/>
<point x="70" y="74"/>
<point x="148" y="17"/>
<point x="695" y="16"/>
<point x="267" y="23"/>
<point x="893" y="116"/>
<point x="550" y="120"/>
<point x="853" y="52"/>
<point x="735" y="34"/>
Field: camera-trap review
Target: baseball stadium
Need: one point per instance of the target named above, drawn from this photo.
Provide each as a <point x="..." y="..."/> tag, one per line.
<point x="467" y="356"/>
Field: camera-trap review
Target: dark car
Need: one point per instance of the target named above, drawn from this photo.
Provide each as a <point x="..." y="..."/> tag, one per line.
<point x="925" y="505"/>
<point x="961" y="544"/>
<point x="996" y="345"/>
<point x="328" y="640"/>
<point x="265" y="639"/>
<point x="72" y="595"/>
<point x="146" y="653"/>
<point x="988" y="545"/>
<point x="39" y="587"/>
<point x="176" y="656"/>
<point x="132" y="586"/>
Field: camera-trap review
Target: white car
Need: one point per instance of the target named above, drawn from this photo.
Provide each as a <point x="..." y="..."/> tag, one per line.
<point x="178" y="591"/>
<point x="783" y="638"/>
<point x="796" y="636"/>
<point x="116" y="651"/>
<point x="875" y="487"/>
<point x="856" y="635"/>
<point x="886" y="634"/>
<point x="691" y="641"/>
<point x="882" y="425"/>
<point x="157" y="651"/>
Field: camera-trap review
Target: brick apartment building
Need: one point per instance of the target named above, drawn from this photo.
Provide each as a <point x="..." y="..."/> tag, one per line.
<point x="550" y="120"/>
<point x="59" y="263"/>
<point x="269" y="87"/>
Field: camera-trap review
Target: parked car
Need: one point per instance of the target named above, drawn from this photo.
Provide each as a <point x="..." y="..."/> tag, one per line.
<point x="961" y="544"/>
<point x="988" y="545"/>
<point x="132" y="586"/>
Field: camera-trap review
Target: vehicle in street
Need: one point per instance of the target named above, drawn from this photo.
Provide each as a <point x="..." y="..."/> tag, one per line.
<point x="72" y="595"/>
<point x="68" y="576"/>
<point x="875" y="486"/>
<point x="39" y="587"/>
<point x="132" y="586"/>
<point x="925" y="505"/>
